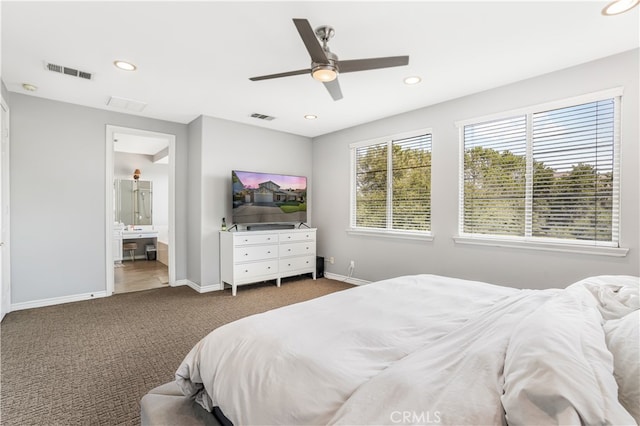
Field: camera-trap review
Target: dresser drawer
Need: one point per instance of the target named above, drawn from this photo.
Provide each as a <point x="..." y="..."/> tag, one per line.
<point x="247" y="239"/>
<point x="257" y="252"/>
<point x="297" y="249"/>
<point x="257" y="269"/>
<point x="297" y="263"/>
<point x="297" y="236"/>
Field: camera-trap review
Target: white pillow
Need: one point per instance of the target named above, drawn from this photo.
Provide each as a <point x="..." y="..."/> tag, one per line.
<point x="623" y="341"/>
<point x="558" y="369"/>
<point x="615" y="295"/>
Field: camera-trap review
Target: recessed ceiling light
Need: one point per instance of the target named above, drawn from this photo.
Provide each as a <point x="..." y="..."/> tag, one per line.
<point x="123" y="65"/>
<point x="619" y="6"/>
<point x="310" y="116"/>
<point x="412" y="80"/>
<point x="29" y="87"/>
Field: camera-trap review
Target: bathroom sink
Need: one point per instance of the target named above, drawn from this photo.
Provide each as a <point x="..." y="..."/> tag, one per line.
<point x="139" y="234"/>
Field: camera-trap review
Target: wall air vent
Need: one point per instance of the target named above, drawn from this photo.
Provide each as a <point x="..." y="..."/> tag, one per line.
<point x="262" y="116"/>
<point x="68" y="71"/>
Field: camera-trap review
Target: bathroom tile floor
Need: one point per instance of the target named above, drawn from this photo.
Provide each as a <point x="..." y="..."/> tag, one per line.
<point x="140" y="275"/>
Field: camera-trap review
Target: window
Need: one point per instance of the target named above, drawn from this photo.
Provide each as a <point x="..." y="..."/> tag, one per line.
<point x="391" y="188"/>
<point x="547" y="174"/>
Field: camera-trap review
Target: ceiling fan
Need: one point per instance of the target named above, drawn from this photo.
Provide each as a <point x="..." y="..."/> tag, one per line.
<point x="325" y="65"/>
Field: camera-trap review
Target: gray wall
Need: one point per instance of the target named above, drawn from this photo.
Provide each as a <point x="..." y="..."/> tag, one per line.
<point x="4" y="91"/>
<point x="194" y="197"/>
<point x="226" y="146"/>
<point x="58" y="172"/>
<point x="58" y="200"/>
<point x="378" y="258"/>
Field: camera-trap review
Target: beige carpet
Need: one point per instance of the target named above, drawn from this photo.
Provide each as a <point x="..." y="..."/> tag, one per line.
<point x="89" y="363"/>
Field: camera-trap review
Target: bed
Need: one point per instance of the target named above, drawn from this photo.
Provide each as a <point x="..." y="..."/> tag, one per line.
<point x="428" y="349"/>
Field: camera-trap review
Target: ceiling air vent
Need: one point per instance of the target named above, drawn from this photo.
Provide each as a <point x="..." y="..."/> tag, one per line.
<point x="125" y="103"/>
<point x="68" y="71"/>
<point x="262" y="116"/>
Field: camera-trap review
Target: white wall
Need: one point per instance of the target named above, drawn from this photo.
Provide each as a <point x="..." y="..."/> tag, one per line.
<point x="125" y="163"/>
<point x="378" y="258"/>
<point x="226" y="146"/>
<point x="58" y="157"/>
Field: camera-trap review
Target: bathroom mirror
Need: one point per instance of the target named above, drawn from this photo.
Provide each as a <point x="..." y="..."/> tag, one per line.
<point x="133" y="201"/>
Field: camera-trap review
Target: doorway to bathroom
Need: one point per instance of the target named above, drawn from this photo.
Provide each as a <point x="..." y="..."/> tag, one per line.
<point x="140" y="209"/>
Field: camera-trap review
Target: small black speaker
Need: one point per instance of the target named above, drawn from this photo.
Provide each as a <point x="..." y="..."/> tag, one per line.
<point x="319" y="266"/>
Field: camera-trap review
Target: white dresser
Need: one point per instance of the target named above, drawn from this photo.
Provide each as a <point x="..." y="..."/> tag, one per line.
<point x="252" y="256"/>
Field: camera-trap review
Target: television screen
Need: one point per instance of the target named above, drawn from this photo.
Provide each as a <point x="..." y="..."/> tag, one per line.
<point x="268" y="198"/>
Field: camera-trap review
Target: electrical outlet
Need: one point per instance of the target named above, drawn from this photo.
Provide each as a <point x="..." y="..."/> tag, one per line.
<point x="331" y="260"/>
<point x="352" y="264"/>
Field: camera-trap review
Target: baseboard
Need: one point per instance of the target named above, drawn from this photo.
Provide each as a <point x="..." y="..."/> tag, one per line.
<point x="198" y="287"/>
<point x="344" y="278"/>
<point x="57" y="300"/>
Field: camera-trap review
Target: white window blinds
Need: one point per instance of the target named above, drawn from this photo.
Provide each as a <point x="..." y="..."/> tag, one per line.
<point x="371" y="186"/>
<point x="392" y="185"/>
<point x="573" y="172"/>
<point x="411" y="185"/>
<point x="494" y="177"/>
<point x="544" y="174"/>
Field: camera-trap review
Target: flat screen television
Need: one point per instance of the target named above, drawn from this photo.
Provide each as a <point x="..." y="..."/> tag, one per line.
<point x="268" y="198"/>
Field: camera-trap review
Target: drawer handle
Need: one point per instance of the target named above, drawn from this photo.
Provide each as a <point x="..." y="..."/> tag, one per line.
<point x="246" y="270"/>
<point x="269" y="252"/>
<point x="246" y="254"/>
<point x="288" y="249"/>
<point x="288" y="264"/>
<point x="289" y="237"/>
<point x="268" y="267"/>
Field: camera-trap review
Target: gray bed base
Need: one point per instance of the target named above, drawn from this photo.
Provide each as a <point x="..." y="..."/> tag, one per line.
<point x="166" y="405"/>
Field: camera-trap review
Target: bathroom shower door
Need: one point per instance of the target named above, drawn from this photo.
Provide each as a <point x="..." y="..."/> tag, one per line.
<point x="142" y="203"/>
<point x="134" y="202"/>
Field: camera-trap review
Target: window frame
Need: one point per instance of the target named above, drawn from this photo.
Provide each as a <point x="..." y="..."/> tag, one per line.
<point x="608" y="248"/>
<point x="388" y="231"/>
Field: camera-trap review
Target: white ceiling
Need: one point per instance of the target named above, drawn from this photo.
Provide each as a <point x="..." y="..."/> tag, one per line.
<point x="196" y="58"/>
<point x="134" y="143"/>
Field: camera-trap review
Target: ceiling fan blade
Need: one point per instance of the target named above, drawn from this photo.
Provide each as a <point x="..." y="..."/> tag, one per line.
<point x="372" y="63"/>
<point x="310" y="41"/>
<point x="282" y="74"/>
<point x="334" y="89"/>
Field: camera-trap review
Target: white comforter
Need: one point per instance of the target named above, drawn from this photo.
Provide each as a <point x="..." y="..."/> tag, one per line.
<point x="418" y="349"/>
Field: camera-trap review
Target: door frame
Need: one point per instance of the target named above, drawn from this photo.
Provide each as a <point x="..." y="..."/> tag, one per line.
<point x="109" y="214"/>
<point x="5" y="250"/>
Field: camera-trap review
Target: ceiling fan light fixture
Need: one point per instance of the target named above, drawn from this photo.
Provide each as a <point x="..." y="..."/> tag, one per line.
<point x="619" y="6"/>
<point x="324" y="73"/>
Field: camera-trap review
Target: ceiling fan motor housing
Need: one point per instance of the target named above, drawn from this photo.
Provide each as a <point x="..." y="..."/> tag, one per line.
<point x="325" y="32"/>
